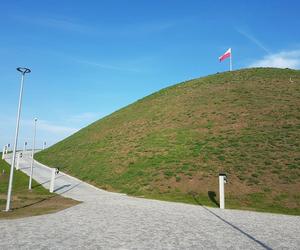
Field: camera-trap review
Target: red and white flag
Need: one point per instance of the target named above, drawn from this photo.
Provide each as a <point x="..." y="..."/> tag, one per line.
<point x="225" y="55"/>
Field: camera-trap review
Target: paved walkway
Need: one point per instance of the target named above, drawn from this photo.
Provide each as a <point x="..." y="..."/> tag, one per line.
<point x="108" y="220"/>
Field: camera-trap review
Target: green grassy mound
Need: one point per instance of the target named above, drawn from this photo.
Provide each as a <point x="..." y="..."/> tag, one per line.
<point x="26" y="202"/>
<point x="172" y="144"/>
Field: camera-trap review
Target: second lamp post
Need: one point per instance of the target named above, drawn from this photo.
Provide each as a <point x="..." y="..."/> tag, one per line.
<point x="32" y="155"/>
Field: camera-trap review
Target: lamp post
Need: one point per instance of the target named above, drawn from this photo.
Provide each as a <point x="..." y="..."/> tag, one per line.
<point x="32" y="154"/>
<point x="23" y="72"/>
<point x="7" y="148"/>
<point x="4" y="152"/>
<point x="25" y="147"/>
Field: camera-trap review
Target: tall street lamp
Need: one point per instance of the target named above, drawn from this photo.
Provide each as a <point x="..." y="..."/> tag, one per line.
<point x="32" y="154"/>
<point x="25" y="147"/>
<point x="23" y="72"/>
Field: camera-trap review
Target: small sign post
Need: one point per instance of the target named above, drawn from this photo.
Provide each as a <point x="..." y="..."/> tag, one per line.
<point x="54" y="171"/>
<point x="222" y="181"/>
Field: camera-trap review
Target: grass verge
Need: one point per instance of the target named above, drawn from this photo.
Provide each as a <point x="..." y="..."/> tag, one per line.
<point x="26" y="202"/>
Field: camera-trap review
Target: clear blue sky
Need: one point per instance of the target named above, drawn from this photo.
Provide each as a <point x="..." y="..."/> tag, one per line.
<point x="90" y="58"/>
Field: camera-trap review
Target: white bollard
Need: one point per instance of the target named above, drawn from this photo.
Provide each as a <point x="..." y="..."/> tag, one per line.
<point x="53" y="172"/>
<point x="3" y="152"/>
<point x="18" y="161"/>
<point x="222" y="181"/>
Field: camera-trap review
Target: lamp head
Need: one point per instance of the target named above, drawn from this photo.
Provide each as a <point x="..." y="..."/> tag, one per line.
<point x="23" y="70"/>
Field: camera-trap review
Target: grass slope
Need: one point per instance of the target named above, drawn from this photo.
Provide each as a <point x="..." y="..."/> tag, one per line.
<point x="28" y="203"/>
<point x="172" y="144"/>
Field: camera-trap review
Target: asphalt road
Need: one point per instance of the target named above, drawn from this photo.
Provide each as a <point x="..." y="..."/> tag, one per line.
<point x="108" y="220"/>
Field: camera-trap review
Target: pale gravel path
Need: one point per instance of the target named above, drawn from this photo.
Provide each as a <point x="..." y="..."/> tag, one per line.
<point x="108" y="220"/>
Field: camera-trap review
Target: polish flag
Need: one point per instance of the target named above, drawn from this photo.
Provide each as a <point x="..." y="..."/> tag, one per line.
<point x="226" y="55"/>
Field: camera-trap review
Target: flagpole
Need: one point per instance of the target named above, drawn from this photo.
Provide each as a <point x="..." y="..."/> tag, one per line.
<point x="230" y="61"/>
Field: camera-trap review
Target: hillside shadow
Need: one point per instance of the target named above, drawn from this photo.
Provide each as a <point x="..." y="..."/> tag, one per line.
<point x="49" y="197"/>
<point x="71" y="187"/>
<point x="62" y="187"/>
<point x="212" y="196"/>
<point x="41" y="184"/>
<point x="34" y="203"/>
<point x="194" y="195"/>
<point x="263" y="245"/>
